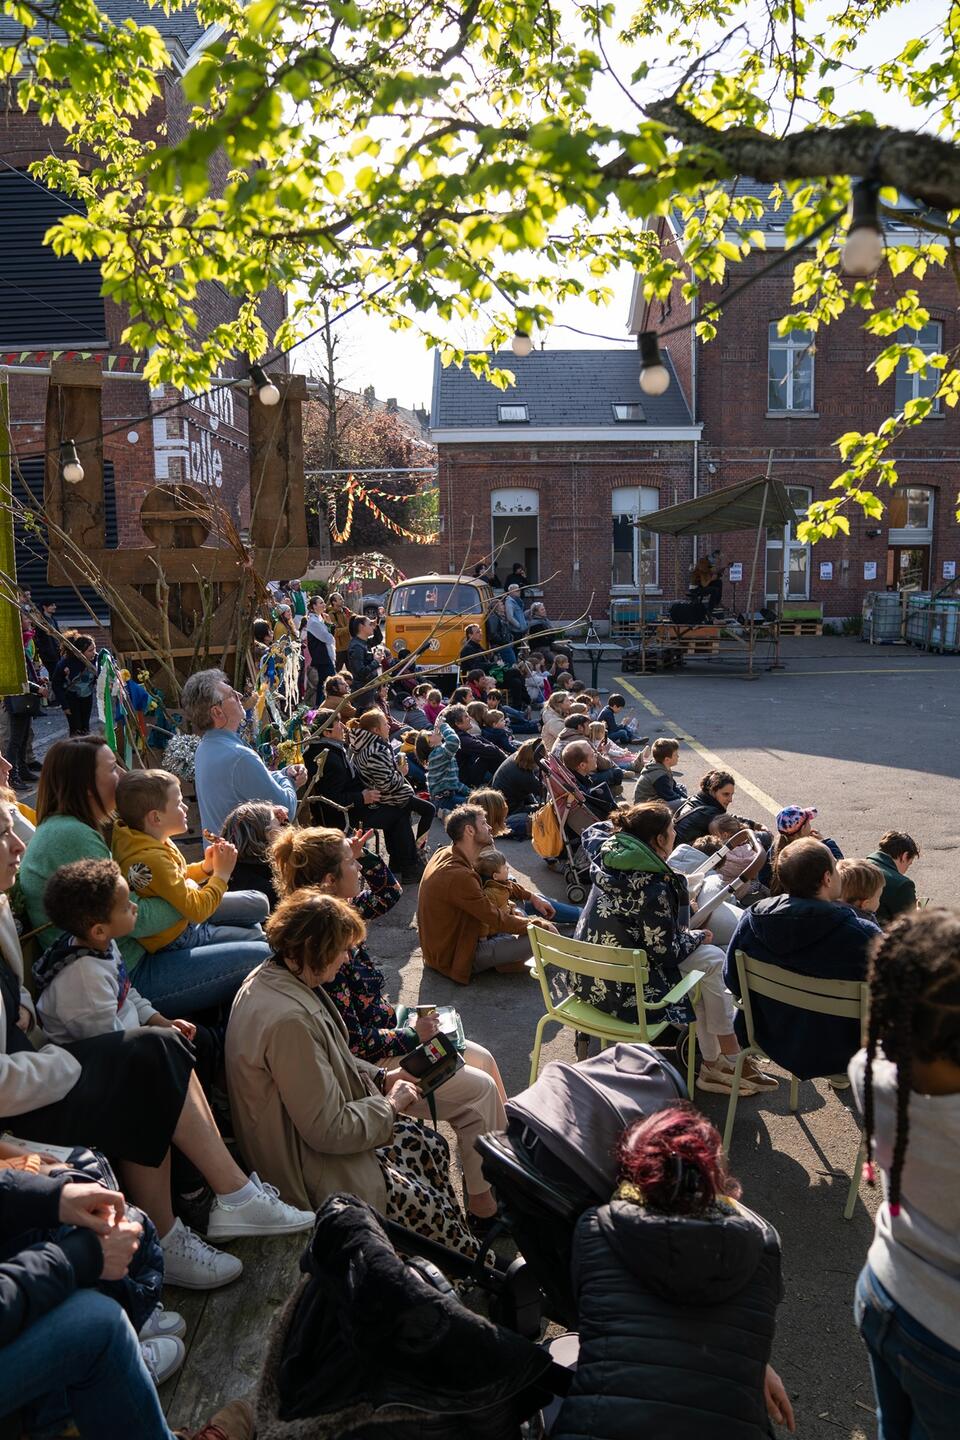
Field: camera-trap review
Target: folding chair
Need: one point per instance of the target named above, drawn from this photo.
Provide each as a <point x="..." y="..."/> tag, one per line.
<point x="604" y="962"/>
<point x="846" y="999"/>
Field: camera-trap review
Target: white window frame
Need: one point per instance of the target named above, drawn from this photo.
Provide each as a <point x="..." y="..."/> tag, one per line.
<point x="630" y="502"/>
<point x="915" y="534"/>
<point x="786" y="543"/>
<point x="505" y="417"/>
<point x="929" y="347"/>
<point x="796" y="345"/>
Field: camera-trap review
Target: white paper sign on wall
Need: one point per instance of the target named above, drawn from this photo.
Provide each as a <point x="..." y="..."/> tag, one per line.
<point x="869" y="569"/>
<point x="736" y="573"/>
<point x="826" y="569"/>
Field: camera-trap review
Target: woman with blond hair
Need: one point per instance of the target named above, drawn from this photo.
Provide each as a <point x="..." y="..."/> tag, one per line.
<point x="472" y="1100"/>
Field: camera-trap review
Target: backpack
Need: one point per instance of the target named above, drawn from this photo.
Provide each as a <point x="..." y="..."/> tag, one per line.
<point x="546" y="837"/>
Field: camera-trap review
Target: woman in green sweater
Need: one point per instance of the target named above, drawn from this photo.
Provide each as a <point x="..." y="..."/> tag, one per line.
<point x="75" y="804"/>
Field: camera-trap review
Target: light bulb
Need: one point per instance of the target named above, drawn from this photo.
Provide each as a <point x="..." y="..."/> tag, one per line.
<point x="863" y="253"/>
<point x="267" y="392"/>
<point x="72" y="469"/>
<point x="654" y="375"/>
<point x="522" y="344"/>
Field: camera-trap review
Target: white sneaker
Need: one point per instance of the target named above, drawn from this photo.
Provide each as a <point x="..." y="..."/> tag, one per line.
<point x="162" y="1358"/>
<point x="264" y="1214"/>
<point x="164" y="1325"/>
<point x="189" y="1261"/>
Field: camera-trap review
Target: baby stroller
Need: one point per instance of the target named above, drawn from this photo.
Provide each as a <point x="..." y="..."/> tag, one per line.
<point x="557" y="1156"/>
<point x="575" y="810"/>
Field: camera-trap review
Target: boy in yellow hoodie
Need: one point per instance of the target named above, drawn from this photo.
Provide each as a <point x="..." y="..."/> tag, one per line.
<point x="151" y="811"/>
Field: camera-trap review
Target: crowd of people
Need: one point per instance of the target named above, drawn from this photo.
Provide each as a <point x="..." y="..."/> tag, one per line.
<point x="183" y="1017"/>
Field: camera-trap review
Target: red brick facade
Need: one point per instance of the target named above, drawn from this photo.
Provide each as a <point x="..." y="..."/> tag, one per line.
<point x="730" y="399"/>
<point x="574" y="485"/>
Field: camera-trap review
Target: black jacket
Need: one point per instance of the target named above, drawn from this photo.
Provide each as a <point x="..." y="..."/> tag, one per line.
<point x="676" y="1321"/>
<point x="812" y="937"/>
<point x="338" y="779"/>
<point x="361" y="662"/>
<point x="476" y="758"/>
<point x="254" y="875"/>
<point x="693" y="818"/>
<point x="47" y="1271"/>
<point x="522" y="789"/>
<point x="370" y="1347"/>
<point x="467" y="662"/>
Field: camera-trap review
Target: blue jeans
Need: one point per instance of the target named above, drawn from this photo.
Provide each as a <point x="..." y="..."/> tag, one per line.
<point x="565" y="914"/>
<point x="181" y="982"/>
<point x="916" y="1376"/>
<point x="89" y="1345"/>
<point x="237" y="919"/>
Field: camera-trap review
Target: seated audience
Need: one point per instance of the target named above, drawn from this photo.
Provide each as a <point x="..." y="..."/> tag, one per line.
<point x="496" y="731"/>
<point x="656" y="780"/>
<point x="150" y="812"/>
<point x="414" y="708"/>
<point x="796" y="823"/>
<point x="470" y="1101"/>
<point x="580" y="758"/>
<point x="313" y="1117"/>
<point x="907" y="1083"/>
<point x="336" y="689"/>
<point x="330" y="766"/>
<point x="861" y="887"/>
<point x="519" y="779"/>
<point x="433" y="705"/>
<point x="75" y="807"/>
<point x="741" y="863"/>
<point x="61" y="1338"/>
<point x="677" y="1287"/>
<point x="635" y="901"/>
<point x="227" y="771"/>
<point x="132" y="1094"/>
<point x="807" y="931"/>
<point x="472" y="646"/>
<point x="452" y="909"/>
<point x="476" y="760"/>
<point x="895" y="854"/>
<point x="504" y="826"/>
<point x="251" y="829"/>
<point x="553" y="717"/>
<point x="473" y="681"/>
<point x="714" y="798"/>
<point x="380" y="768"/>
<point x="536" y="684"/>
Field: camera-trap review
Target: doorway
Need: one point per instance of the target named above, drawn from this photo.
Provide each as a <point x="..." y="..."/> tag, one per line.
<point x="908" y="567"/>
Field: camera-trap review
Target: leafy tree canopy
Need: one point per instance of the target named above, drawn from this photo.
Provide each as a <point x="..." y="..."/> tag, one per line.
<point x="454" y="159"/>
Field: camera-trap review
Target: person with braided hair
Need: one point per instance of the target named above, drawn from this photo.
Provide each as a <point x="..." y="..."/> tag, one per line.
<point x="907" y="1083"/>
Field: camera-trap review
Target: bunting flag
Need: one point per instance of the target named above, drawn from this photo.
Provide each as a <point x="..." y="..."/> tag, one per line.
<point x="340" y="537"/>
<point x="106" y="681"/>
<point x="10" y="359"/>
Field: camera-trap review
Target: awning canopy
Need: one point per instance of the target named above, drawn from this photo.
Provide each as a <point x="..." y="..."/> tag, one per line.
<point x="736" y="507"/>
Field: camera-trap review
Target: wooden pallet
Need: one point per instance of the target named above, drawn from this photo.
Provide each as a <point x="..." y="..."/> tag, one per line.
<point x="666" y="657"/>
<point x="801" y="627"/>
<point x="700" y="647"/>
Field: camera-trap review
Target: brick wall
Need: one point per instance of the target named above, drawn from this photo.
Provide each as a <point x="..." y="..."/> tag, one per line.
<point x="574" y="484"/>
<point x="740" y="434"/>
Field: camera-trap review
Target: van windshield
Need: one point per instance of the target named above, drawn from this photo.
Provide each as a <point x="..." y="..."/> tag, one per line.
<point x="432" y="598"/>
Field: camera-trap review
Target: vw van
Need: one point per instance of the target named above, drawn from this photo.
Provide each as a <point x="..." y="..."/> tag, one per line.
<point x="415" y="608"/>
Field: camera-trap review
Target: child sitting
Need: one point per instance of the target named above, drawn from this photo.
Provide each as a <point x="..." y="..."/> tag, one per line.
<point x="151" y="811"/>
<point x="496" y="731"/>
<point x="861" y="886"/>
<point x="620" y="727"/>
<point x="433" y="705"/>
<point x="82" y="984"/>
<point x="494" y="872"/>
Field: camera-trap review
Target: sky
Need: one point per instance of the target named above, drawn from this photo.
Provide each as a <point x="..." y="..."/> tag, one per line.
<point x="398" y="365"/>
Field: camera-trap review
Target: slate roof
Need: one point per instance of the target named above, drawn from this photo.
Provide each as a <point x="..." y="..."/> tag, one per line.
<point x="773" y="220"/>
<point x="572" y="389"/>
<point x="182" y="27"/>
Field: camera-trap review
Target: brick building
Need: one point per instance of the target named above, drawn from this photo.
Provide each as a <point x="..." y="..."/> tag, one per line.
<point x="753" y="392"/>
<point x="553" y="472"/>
<point x="53" y="307"/>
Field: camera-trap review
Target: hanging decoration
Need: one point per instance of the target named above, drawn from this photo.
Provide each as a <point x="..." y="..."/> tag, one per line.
<point x="340" y="537"/>
<point x="369" y="566"/>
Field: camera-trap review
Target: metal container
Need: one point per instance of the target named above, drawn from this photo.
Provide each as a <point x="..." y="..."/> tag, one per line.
<point x="882" y="624"/>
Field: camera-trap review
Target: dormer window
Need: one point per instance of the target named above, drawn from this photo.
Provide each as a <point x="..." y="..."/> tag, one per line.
<point x="628" y="412"/>
<point x="512" y="414"/>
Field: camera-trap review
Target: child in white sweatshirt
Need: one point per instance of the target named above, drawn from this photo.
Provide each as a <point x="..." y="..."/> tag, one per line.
<point x="82" y="985"/>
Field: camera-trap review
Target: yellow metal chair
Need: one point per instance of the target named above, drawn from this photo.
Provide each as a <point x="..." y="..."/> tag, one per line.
<point x="604" y="962"/>
<point x="844" y="998"/>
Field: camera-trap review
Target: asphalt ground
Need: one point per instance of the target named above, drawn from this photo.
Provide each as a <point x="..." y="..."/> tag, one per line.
<point x="869" y="737"/>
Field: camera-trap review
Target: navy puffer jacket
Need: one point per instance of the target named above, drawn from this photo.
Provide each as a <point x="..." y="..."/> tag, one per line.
<point x="676" y="1320"/>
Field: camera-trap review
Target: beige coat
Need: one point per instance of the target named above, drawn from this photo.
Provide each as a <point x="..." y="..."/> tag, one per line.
<point x="308" y="1114"/>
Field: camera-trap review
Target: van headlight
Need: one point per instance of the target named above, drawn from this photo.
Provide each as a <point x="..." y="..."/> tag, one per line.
<point x="399" y="645"/>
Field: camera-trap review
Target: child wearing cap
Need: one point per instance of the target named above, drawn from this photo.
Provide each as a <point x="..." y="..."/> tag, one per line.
<point x="795" y="823"/>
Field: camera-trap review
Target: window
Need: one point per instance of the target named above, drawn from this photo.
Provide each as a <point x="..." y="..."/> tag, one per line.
<point x="911" y="387"/>
<point x="789" y="370"/>
<point x="511" y="414"/>
<point x="910" y="515"/>
<point x="433" y="598"/>
<point x="627" y="412"/>
<point x="797" y="554"/>
<point x="636" y="552"/>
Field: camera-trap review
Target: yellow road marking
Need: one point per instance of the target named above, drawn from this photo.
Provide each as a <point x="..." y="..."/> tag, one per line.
<point x="714" y="761"/>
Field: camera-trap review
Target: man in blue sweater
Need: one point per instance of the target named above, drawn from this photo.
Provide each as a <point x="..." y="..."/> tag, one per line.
<point x="227" y="771"/>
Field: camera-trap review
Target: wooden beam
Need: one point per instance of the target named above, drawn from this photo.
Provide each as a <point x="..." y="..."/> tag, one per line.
<point x="74" y="413"/>
<point x="139" y="567"/>
<point x="278" y="515"/>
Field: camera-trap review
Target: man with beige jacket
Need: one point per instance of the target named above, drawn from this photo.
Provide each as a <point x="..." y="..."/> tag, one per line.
<point x="454" y="912"/>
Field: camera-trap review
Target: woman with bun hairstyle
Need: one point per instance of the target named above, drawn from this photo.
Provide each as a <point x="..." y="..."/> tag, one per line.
<point x="677" y="1287"/>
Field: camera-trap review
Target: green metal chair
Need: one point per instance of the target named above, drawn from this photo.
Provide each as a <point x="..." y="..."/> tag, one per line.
<point x="844" y="998"/>
<point x="604" y="962"/>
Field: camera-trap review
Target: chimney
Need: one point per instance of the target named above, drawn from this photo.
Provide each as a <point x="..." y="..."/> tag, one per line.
<point x="392" y="405"/>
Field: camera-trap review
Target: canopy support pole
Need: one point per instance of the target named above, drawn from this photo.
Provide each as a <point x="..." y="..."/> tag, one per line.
<point x="753" y="570"/>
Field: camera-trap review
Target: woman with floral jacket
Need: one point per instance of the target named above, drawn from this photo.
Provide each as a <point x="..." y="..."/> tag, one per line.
<point x="634" y="902"/>
<point x="471" y="1101"/>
